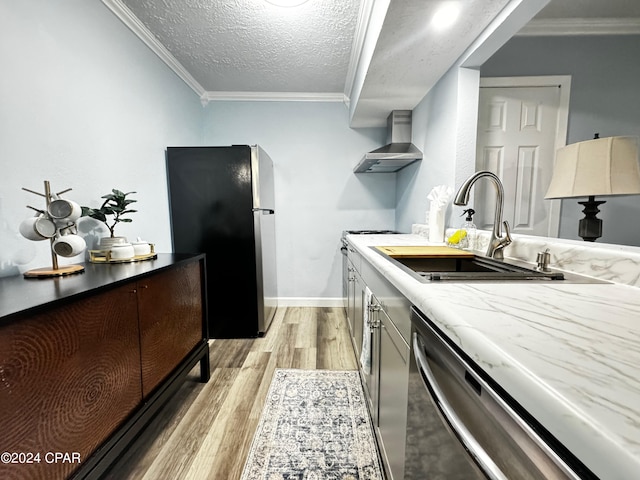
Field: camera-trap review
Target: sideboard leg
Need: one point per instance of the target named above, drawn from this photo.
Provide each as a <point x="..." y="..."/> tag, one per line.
<point x="205" y="369"/>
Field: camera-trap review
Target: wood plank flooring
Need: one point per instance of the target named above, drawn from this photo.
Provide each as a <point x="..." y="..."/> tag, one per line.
<point x="205" y="430"/>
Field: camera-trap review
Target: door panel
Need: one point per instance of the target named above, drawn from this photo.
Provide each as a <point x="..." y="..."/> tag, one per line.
<point x="518" y="131"/>
<point x="266" y="281"/>
<point x="394" y="379"/>
<point x="70" y="376"/>
<point x="170" y="315"/>
<point x="210" y="200"/>
<point x="524" y="215"/>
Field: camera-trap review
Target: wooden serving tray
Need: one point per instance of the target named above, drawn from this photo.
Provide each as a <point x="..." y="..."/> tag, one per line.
<point x="423" y="251"/>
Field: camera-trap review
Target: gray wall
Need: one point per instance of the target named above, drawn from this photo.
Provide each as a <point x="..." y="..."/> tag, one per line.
<point x="605" y="98"/>
<point x="317" y="194"/>
<point x="84" y="104"/>
<point x="433" y="132"/>
<point x="444" y="128"/>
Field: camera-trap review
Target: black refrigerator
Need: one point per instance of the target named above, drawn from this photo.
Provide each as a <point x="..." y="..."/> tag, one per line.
<point x="221" y="202"/>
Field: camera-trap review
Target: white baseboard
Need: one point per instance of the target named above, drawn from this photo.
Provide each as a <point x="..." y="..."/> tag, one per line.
<point x="310" y="302"/>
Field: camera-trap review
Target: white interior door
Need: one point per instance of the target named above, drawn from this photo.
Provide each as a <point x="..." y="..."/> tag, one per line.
<point x="522" y="121"/>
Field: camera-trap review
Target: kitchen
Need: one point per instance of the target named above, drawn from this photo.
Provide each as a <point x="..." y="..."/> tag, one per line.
<point x="88" y="106"/>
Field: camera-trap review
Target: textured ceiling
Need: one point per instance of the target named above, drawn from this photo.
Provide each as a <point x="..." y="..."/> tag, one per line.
<point x="240" y="49"/>
<point x="251" y="45"/>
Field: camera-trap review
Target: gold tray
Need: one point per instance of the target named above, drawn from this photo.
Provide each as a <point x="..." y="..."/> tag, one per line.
<point x="104" y="256"/>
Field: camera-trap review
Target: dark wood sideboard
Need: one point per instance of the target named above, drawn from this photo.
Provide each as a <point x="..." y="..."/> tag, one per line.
<point x="87" y="360"/>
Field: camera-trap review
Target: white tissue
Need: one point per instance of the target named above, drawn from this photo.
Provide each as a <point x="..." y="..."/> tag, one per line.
<point x="439" y="198"/>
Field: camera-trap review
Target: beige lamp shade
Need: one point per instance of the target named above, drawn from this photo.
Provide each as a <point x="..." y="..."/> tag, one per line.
<point x="603" y="166"/>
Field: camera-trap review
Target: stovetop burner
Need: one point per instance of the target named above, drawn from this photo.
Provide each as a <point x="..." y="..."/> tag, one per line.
<point x="361" y="232"/>
<point x="369" y="232"/>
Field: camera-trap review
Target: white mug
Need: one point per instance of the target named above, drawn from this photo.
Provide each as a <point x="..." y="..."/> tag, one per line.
<point x="69" y="245"/>
<point x="37" y="228"/>
<point x="67" y="210"/>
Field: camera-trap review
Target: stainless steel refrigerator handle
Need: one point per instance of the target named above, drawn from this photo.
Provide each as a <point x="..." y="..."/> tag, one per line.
<point x="265" y="211"/>
<point x="484" y="461"/>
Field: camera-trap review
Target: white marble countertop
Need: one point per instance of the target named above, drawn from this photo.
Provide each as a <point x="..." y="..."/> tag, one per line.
<point x="568" y="353"/>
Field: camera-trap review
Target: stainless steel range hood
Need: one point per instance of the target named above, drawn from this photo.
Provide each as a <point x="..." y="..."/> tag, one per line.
<point x="399" y="153"/>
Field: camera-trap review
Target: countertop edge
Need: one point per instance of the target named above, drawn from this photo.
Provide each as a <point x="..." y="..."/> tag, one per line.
<point x="21" y="296"/>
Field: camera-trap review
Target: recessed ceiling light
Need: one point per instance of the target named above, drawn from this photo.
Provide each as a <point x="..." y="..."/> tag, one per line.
<point x="446" y="15"/>
<point x="286" y="3"/>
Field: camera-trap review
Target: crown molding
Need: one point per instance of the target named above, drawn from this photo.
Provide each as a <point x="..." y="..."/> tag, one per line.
<point x="581" y="26"/>
<point x="143" y="33"/>
<point x="207" y="97"/>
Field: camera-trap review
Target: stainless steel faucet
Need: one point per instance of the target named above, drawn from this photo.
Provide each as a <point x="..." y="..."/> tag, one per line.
<point x="497" y="242"/>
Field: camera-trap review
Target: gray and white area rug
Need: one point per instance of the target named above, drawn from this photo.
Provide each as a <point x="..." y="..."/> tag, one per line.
<point x="314" y="426"/>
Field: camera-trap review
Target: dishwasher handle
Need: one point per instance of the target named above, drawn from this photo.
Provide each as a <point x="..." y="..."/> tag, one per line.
<point x="482" y="459"/>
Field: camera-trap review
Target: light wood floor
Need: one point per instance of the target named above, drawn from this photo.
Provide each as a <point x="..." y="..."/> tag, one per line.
<point x="205" y="430"/>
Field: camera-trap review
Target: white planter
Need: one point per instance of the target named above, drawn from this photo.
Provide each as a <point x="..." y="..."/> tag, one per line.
<point x="107" y="242"/>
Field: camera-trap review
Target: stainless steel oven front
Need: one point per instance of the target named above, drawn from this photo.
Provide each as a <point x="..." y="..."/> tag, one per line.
<point x="461" y="425"/>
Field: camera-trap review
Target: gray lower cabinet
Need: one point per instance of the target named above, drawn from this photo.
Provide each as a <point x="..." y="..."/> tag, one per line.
<point x="387" y="383"/>
<point x="358" y="315"/>
<point x="371" y="377"/>
<point x="350" y="294"/>
<point x="392" y="396"/>
<point x="354" y="302"/>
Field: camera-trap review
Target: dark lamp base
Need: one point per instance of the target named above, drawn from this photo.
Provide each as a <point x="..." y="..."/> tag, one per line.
<point x="590" y="227"/>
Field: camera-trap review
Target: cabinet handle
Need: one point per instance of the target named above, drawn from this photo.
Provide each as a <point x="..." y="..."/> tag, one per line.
<point x="144" y="286"/>
<point x="375" y="321"/>
<point x="134" y="291"/>
<point x="373" y="324"/>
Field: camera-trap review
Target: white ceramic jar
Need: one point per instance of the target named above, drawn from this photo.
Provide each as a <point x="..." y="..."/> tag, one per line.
<point x="141" y="247"/>
<point x="122" y="251"/>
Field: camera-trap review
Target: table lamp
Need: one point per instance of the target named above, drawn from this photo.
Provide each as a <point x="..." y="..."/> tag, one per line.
<point x="598" y="167"/>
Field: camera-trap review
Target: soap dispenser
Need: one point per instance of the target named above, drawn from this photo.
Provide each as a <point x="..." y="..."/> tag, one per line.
<point x="469" y="240"/>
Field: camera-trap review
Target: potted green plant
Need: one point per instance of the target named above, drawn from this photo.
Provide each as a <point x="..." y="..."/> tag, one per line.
<point x="115" y="205"/>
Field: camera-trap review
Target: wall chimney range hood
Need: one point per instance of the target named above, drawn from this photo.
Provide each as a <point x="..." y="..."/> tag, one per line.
<point x="399" y="152"/>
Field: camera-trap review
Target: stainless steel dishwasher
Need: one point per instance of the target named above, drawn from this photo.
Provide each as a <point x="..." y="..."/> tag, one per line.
<point x="461" y="425"/>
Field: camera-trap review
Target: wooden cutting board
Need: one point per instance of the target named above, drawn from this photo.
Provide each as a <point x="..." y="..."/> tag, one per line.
<point x="423" y="251"/>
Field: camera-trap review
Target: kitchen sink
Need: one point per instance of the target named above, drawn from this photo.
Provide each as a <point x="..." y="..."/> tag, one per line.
<point x="430" y="266"/>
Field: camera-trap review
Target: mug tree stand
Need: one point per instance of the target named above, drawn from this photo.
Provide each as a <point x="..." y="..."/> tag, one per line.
<point x="54" y="270"/>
